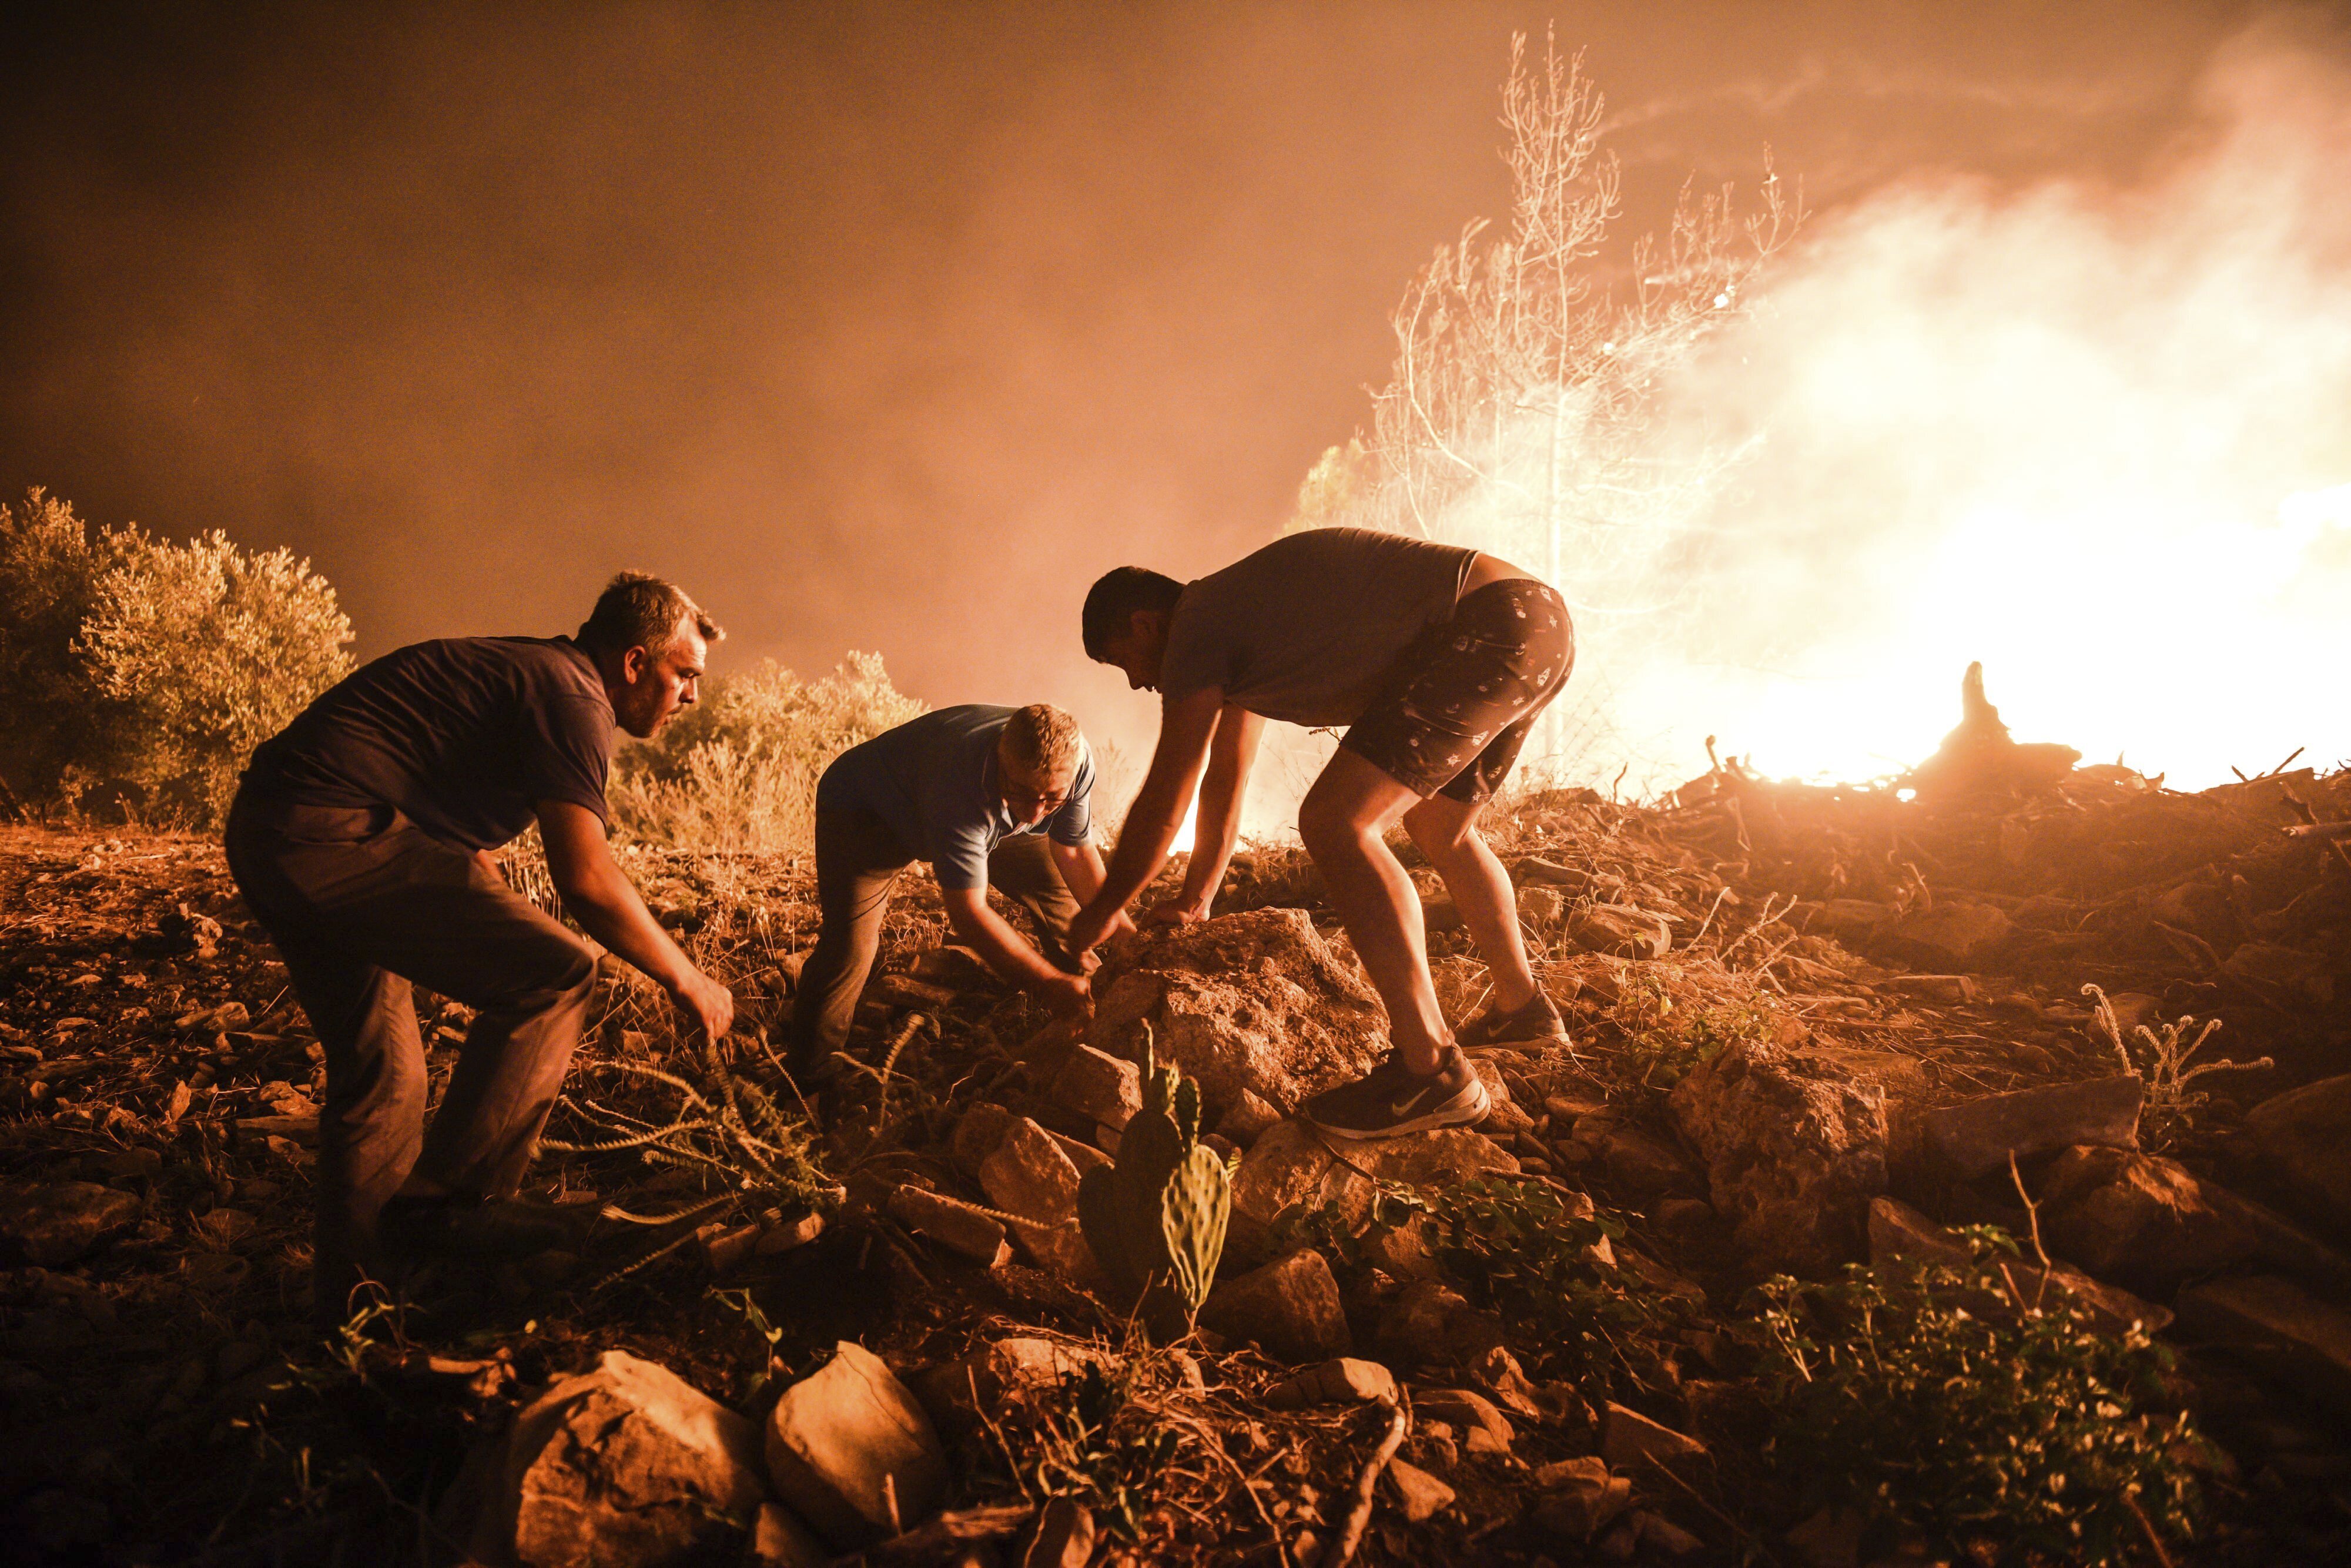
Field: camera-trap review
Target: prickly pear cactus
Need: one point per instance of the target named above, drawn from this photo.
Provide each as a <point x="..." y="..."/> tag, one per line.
<point x="1155" y="1217"/>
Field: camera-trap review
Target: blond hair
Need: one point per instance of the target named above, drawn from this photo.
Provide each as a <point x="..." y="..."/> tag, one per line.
<point x="1040" y="742"/>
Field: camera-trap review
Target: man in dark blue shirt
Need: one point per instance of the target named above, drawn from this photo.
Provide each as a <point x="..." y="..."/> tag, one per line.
<point x="989" y="796"/>
<point x="359" y="839"/>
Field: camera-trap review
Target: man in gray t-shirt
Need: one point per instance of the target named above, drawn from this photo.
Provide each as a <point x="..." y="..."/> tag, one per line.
<point x="1439" y="660"/>
<point x="991" y="797"/>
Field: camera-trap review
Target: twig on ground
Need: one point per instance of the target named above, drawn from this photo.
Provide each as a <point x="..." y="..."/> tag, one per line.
<point x="1359" y="1516"/>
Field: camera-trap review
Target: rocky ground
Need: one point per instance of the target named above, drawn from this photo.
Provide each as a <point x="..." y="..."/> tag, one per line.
<point x="1710" y="1286"/>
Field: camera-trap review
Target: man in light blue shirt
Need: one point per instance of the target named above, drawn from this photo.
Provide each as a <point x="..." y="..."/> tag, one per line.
<point x="991" y="797"/>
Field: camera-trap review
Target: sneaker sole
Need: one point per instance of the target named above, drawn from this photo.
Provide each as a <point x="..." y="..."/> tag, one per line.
<point x="1467" y="1114"/>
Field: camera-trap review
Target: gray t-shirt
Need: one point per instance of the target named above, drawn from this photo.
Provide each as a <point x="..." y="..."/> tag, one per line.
<point x="1307" y="628"/>
<point x="934" y="780"/>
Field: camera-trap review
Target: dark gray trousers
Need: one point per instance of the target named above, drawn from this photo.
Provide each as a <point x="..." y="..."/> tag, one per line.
<point x="359" y="903"/>
<point x="858" y="858"/>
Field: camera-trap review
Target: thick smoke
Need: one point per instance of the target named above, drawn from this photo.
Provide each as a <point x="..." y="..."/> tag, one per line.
<point x="2098" y="438"/>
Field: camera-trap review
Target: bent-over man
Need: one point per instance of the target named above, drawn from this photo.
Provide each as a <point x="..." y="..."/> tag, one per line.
<point x="1438" y="660"/>
<point x="991" y="797"/>
<point x="359" y="839"/>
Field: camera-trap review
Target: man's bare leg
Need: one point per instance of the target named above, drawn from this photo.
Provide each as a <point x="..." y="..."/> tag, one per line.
<point x="1342" y="819"/>
<point x="1447" y="831"/>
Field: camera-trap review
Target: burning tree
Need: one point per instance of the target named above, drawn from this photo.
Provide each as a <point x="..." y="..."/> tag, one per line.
<point x="1522" y="417"/>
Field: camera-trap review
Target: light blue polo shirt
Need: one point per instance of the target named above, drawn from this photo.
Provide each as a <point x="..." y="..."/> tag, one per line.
<point x="934" y="780"/>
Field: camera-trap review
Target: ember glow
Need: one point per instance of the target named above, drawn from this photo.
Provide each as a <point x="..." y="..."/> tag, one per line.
<point x="2096" y="438"/>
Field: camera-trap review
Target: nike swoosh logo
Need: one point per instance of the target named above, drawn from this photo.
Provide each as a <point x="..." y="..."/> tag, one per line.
<point x="1404" y="1106"/>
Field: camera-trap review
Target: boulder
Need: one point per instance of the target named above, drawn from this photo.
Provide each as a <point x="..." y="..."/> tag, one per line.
<point x="1578" y="1496"/>
<point x="1249" y="1120"/>
<point x="2281" y="976"/>
<point x="1976" y="1137"/>
<point x="958" y="1226"/>
<point x="1897" y="1232"/>
<point x="1794" y="1152"/>
<point x="1256" y="1001"/>
<point x="977" y="1133"/>
<point x="1098" y="1087"/>
<point x="2302" y="1140"/>
<point x="1423" y="1495"/>
<point x="1031" y="1174"/>
<point x="1485" y="1429"/>
<point x="1950" y="935"/>
<point x="51" y="1224"/>
<point x="1629" y="1439"/>
<point x="2142" y="1220"/>
<point x="850" y="1452"/>
<point x="2275" y="1324"/>
<point x="1633" y="1440"/>
<point x="1540" y="908"/>
<point x="1290" y="1307"/>
<point x="1032" y="1177"/>
<point x="627" y="1465"/>
<point x="1344" y="1380"/>
<point x="1291" y="1163"/>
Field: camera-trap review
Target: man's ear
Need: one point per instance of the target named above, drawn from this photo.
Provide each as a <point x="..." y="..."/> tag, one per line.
<point x="634" y="663"/>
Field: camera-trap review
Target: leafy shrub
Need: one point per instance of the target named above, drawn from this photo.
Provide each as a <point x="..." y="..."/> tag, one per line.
<point x="2024" y="1430"/>
<point x="201" y="651"/>
<point x="1093" y="1442"/>
<point x="153" y="667"/>
<point x="737" y="771"/>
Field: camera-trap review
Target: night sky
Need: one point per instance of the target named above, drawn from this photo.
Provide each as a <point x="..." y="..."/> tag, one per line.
<point x="877" y="327"/>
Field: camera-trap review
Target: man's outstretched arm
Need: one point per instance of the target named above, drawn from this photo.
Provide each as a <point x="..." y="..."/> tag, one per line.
<point x="1219" y="825"/>
<point x="598" y="893"/>
<point x="1008" y="953"/>
<point x="1185" y="727"/>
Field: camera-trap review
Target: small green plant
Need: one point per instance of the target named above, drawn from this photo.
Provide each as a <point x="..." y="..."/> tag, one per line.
<point x="1155" y="1219"/>
<point x="757" y="1322"/>
<point x="1663" y="1055"/>
<point x="2024" y="1432"/>
<point x="1550" y="1269"/>
<point x="2162" y="1064"/>
<point x="1093" y="1442"/>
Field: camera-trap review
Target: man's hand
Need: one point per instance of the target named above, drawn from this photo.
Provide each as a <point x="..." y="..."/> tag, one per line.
<point x="1178" y="911"/>
<point x="1069" y="996"/>
<point x="705" y="1003"/>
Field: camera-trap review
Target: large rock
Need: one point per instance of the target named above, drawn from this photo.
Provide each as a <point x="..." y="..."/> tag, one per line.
<point x="1629" y="1439"/>
<point x="1898" y="1232"/>
<point x="2275" y="1324"/>
<point x="2140" y="1219"/>
<point x="1031" y="1174"/>
<point x="1795" y="1149"/>
<point x="1097" y="1087"/>
<point x="2153" y="1222"/>
<point x="2302" y="1140"/>
<point x="627" y="1465"/>
<point x="1255" y="1001"/>
<point x="50" y="1224"/>
<point x="1023" y="1366"/>
<point x="1976" y="1137"/>
<point x="959" y="1227"/>
<point x="1290" y="1307"/>
<point x="846" y="1443"/>
<point x="1291" y="1163"/>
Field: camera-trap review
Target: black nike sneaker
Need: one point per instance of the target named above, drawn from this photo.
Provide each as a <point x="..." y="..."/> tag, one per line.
<point x="1391" y="1100"/>
<point x="465" y="1225"/>
<point x="1537" y="1023"/>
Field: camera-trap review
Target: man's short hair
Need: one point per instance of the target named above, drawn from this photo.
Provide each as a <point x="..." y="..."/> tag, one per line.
<point x="1041" y="742"/>
<point x="638" y="610"/>
<point x="1117" y="596"/>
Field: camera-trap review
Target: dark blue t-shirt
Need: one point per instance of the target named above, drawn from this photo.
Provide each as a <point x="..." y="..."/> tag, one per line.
<point x="934" y="780"/>
<point x="461" y="736"/>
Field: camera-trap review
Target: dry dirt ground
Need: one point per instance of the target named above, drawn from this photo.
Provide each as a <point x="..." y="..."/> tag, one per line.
<point x="166" y="1401"/>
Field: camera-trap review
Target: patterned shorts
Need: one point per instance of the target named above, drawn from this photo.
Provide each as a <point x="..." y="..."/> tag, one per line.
<point x="1464" y="696"/>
